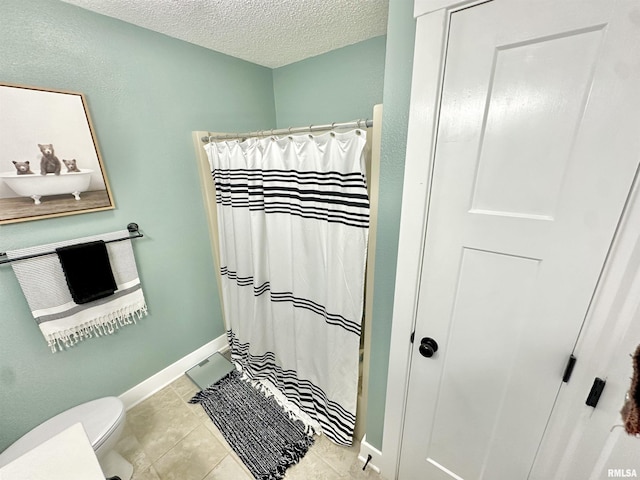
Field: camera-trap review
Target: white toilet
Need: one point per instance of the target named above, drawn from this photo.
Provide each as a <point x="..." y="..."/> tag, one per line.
<point x="103" y="422"/>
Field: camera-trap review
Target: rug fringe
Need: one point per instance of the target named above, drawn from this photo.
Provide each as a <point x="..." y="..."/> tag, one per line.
<point x="291" y="455"/>
<point x="218" y="405"/>
<point x="268" y="390"/>
<point x="294" y="412"/>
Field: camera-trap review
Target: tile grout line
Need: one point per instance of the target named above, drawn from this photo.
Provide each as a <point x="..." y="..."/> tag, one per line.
<point x="183" y="437"/>
<point x="332" y="460"/>
<point x="198" y="424"/>
<point x="214" y="467"/>
<point x="201" y="423"/>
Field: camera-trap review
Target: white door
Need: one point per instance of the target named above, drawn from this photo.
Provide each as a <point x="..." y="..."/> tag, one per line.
<point x="537" y="148"/>
<point x="581" y="443"/>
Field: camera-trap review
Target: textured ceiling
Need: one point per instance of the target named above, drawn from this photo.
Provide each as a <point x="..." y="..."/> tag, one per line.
<point x="272" y="33"/>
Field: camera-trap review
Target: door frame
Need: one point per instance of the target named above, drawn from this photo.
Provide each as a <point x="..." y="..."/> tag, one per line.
<point x="431" y="39"/>
<point x="432" y="27"/>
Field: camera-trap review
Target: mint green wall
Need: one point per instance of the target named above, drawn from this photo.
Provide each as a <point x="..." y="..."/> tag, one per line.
<point x="338" y="86"/>
<point x="397" y="93"/>
<point x="146" y="93"/>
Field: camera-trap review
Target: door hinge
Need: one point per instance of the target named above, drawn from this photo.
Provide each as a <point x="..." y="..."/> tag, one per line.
<point x="596" y="391"/>
<point x="569" y="369"/>
<point x="413" y="336"/>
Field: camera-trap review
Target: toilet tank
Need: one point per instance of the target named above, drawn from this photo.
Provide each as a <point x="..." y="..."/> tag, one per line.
<point x="98" y="417"/>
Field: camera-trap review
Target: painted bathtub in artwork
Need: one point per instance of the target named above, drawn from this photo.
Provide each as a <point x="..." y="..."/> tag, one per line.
<point x="37" y="186"/>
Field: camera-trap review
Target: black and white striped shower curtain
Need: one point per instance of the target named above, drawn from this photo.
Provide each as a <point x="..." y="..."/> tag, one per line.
<point x="293" y="216"/>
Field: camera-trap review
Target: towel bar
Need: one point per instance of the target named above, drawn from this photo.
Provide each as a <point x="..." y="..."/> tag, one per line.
<point x="133" y="229"/>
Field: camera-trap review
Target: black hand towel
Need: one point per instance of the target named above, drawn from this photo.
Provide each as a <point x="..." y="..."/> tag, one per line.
<point x="87" y="270"/>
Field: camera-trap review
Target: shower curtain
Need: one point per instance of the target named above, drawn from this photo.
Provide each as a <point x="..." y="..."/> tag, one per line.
<point x="293" y="216"/>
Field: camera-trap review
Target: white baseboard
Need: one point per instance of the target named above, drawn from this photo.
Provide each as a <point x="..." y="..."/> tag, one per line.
<point x="151" y="385"/>
<point x="365" y="451"/>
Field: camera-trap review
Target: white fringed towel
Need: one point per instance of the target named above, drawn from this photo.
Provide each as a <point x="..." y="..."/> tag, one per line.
<point x="64" y="322"/>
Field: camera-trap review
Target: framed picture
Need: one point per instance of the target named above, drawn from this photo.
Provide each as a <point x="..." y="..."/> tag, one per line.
<point x="50" y="164"/>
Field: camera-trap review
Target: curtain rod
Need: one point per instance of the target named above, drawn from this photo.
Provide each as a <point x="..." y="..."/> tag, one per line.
<point x="284" y="131"/>
<point x="133" y="233"/>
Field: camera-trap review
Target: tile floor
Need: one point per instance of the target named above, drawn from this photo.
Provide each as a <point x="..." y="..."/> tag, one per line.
<point x="167" y="438"/>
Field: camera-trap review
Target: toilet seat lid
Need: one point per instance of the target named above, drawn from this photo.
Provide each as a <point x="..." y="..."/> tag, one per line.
<point x="98" y="417"/>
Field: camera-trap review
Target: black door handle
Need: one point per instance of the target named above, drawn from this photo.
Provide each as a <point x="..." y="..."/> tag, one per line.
<point x="428" y="346"/>
<point x="596" y="391"/>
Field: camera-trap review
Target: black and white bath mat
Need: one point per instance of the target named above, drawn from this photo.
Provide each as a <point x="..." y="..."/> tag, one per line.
<point x="256" y="427"/>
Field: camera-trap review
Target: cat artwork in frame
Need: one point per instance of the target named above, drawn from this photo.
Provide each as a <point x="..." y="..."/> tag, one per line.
<point x="50" y="164"/>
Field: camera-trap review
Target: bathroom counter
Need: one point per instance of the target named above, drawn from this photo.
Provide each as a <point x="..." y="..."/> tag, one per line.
<point x="66" y="456"/>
